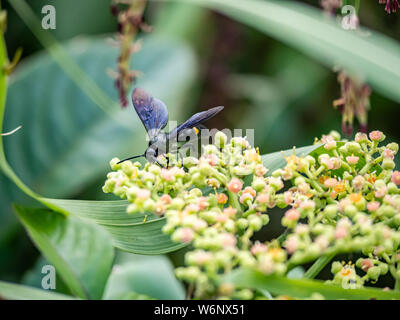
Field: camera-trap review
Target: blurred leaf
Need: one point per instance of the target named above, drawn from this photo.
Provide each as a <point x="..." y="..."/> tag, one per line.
<point x="33" y="277"/>
<point x="150" y="276"/>
<point x="367" y="53"/>
<point x="13" y="291"/>
<point x="276" y="160"/>
<point x="66" y="141"/>
<point x="296" y="273"/>
<point x="80" y="251"/>
<point x="301" y="288"/>
<point x="136" y="233"/>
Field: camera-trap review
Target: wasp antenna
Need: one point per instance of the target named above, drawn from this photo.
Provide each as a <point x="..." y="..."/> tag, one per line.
<point x="134" y="157"/>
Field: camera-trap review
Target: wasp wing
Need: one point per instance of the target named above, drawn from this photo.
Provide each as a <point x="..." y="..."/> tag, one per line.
<point x="151" y="111"/>
<point x="195" y="120"/>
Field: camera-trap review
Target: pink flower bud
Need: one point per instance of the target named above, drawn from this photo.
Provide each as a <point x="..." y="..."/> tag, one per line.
<point x="303" y="187"/>
<point x="387" y="153"/>
<point x="228" y="240"/>
<point x="358" y="182"/>
<point x="143" y="194"/>
<point x="380" y="192"/>
<point x="291" y="244"/>
<point x="330" y="183"/>
<point x="166" y="198"/>
<point x="376" y="135"/>
<point x="262" y="198"/>
<point x="260" y="170"/>
<point x="288" y="197"/>
<point x="258" y="248"/>
<point x="307" y="205"/>
<point x="373" y="206"/>
<point x="213" y="159"/>
<point x="185" y="234"/>
<point x="230" y="212"/>
<point x="337" y="163"/>
<point x="201" y="257"/>
<point x="396" y="177"/>
<point x="203" y="203"/>
<point x="340" y="233"/>
<point x="246" y="197"/>
<point x="192" y="208"/>
<point x="361" y="137"/>
<point x="352" y="159"/>
<point x="366" y="264"/>
<point x="235" y="185"/>
<point x="159" y="208"/>
<point x="167" y="175"/>
<point x="292" y="215"/>
<point x="330" y="144"/>
<point x="250" y="190"/>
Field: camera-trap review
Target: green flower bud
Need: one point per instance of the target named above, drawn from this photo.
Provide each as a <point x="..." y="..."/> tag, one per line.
<point x="230" y="226"/>
<point x="392" y="188"/>
<point x="258" y="184"/>
<point x="265" y="219"/>
<point x="379" y="184"/>
<point x="336" y="267"/>
<point x="335" y="135"/>
<point x="350" y="210"/>
<point x="331" y="210"/>
<point x="114" y="164"/>
<point x="109" y="186"/>
<point x="277" y="173"/>
<point x="374" y="273"/>
<point x="384" y="268"/>
<point x="353" y="147"/>
<point x="189" y="162"/>
<point x="132" y="208"/>
<point x="177" y="203"/>
<point x="255" y="222"/>
<point x="154" y="169"/>
<point x="393" y="146"/>
<point x="220" y="139"/>
<point x="196" y="192"/>
<point x="205" y="169"/>
<point x="148" y="205"/>
<point x="310" y="160"/>
<point x="299" y="180"/>
<point x="242" y="223"/>
<point x="343" y="149"/>
<point x="244" y="294"/>
<point x="388" y="164"/>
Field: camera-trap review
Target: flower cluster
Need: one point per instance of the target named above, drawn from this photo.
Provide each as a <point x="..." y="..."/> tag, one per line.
<point x="211" y="203"/>
<point x="331" y="6"/>
<point x="342" y="198"/>
<point x="130" y="21"/>
<point x="345" y="200"/>
<point x="354" y="102"/>
<point x="390" y="5"/>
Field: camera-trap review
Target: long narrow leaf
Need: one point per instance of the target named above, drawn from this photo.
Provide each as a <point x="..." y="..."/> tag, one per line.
<point x="369" y="54"/>
<point x="302" y="288"/>
<point x="11" y="291"/>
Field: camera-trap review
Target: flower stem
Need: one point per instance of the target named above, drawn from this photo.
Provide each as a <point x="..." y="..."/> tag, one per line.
<point x="318" y="265"/>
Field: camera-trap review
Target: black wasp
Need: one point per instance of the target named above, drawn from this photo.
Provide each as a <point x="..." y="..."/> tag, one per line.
<point x="154" y="115"/>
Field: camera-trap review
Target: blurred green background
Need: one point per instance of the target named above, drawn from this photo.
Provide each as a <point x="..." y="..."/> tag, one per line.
<point x="194" y="59"/>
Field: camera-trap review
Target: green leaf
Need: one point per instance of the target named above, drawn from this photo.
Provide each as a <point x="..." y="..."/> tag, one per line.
<point x="276" y="160"/>
<point x="64" y="132"/>
<point x="150" y="276"/>
<point x="367" y="53"/>
<point x="136" y="233"/>
<point x="303" y="288"/>
<point x="80" y="251"/>
<point x="13" y="291"/>
<point x="66" y="141"/>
